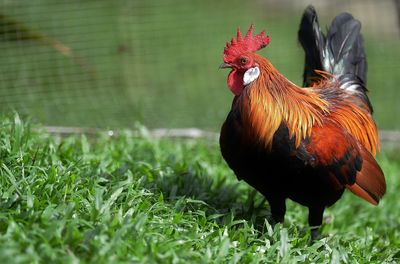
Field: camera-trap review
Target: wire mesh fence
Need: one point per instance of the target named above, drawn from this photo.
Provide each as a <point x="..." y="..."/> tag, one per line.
<point x="114" y="63"/>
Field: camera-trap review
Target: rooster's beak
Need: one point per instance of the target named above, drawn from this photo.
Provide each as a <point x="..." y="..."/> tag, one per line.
<point x="225" y="65"/>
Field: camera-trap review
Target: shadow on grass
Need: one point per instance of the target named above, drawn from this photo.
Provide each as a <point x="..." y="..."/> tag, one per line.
<point x="229" y="199"/>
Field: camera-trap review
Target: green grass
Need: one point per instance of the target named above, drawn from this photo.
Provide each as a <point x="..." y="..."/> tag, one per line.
<point x="136" y="199"/>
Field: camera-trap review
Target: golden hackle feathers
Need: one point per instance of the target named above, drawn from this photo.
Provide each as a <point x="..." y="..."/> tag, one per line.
<point x="272" y="99"/>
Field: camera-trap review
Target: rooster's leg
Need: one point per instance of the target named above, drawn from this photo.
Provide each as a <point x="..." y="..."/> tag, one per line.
<point x="278" y="209"/>
<point x="315" y="215"/>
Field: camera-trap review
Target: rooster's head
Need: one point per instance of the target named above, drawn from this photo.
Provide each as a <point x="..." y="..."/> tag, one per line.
<point x="239" y="56"/>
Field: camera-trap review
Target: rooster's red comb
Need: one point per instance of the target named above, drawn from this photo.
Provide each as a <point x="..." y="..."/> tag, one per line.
<point x="247" y="44"/>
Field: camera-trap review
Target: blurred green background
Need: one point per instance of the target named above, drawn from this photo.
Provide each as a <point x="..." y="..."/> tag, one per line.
<point x="114" y="63"/>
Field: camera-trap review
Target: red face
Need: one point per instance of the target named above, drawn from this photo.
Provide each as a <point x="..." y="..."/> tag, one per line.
<point x="239" y="66"/>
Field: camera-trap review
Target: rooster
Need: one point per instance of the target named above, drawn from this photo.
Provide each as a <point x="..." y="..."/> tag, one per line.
<point x="304" y="144"/>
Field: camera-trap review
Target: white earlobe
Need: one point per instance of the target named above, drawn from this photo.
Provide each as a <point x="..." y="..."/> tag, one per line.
<point x="250" y="75"/>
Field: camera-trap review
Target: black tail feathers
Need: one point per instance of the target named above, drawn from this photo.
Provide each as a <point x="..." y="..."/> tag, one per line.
<point x="340" y="53"/>
<point x="345" y="47"/>
<point x="313" y="42"/>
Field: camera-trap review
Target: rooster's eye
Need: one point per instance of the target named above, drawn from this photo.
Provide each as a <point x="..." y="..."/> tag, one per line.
<point x="243" y="61"/>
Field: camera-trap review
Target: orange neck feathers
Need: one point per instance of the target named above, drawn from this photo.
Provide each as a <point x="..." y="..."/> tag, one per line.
<point x="272" y="99"/>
